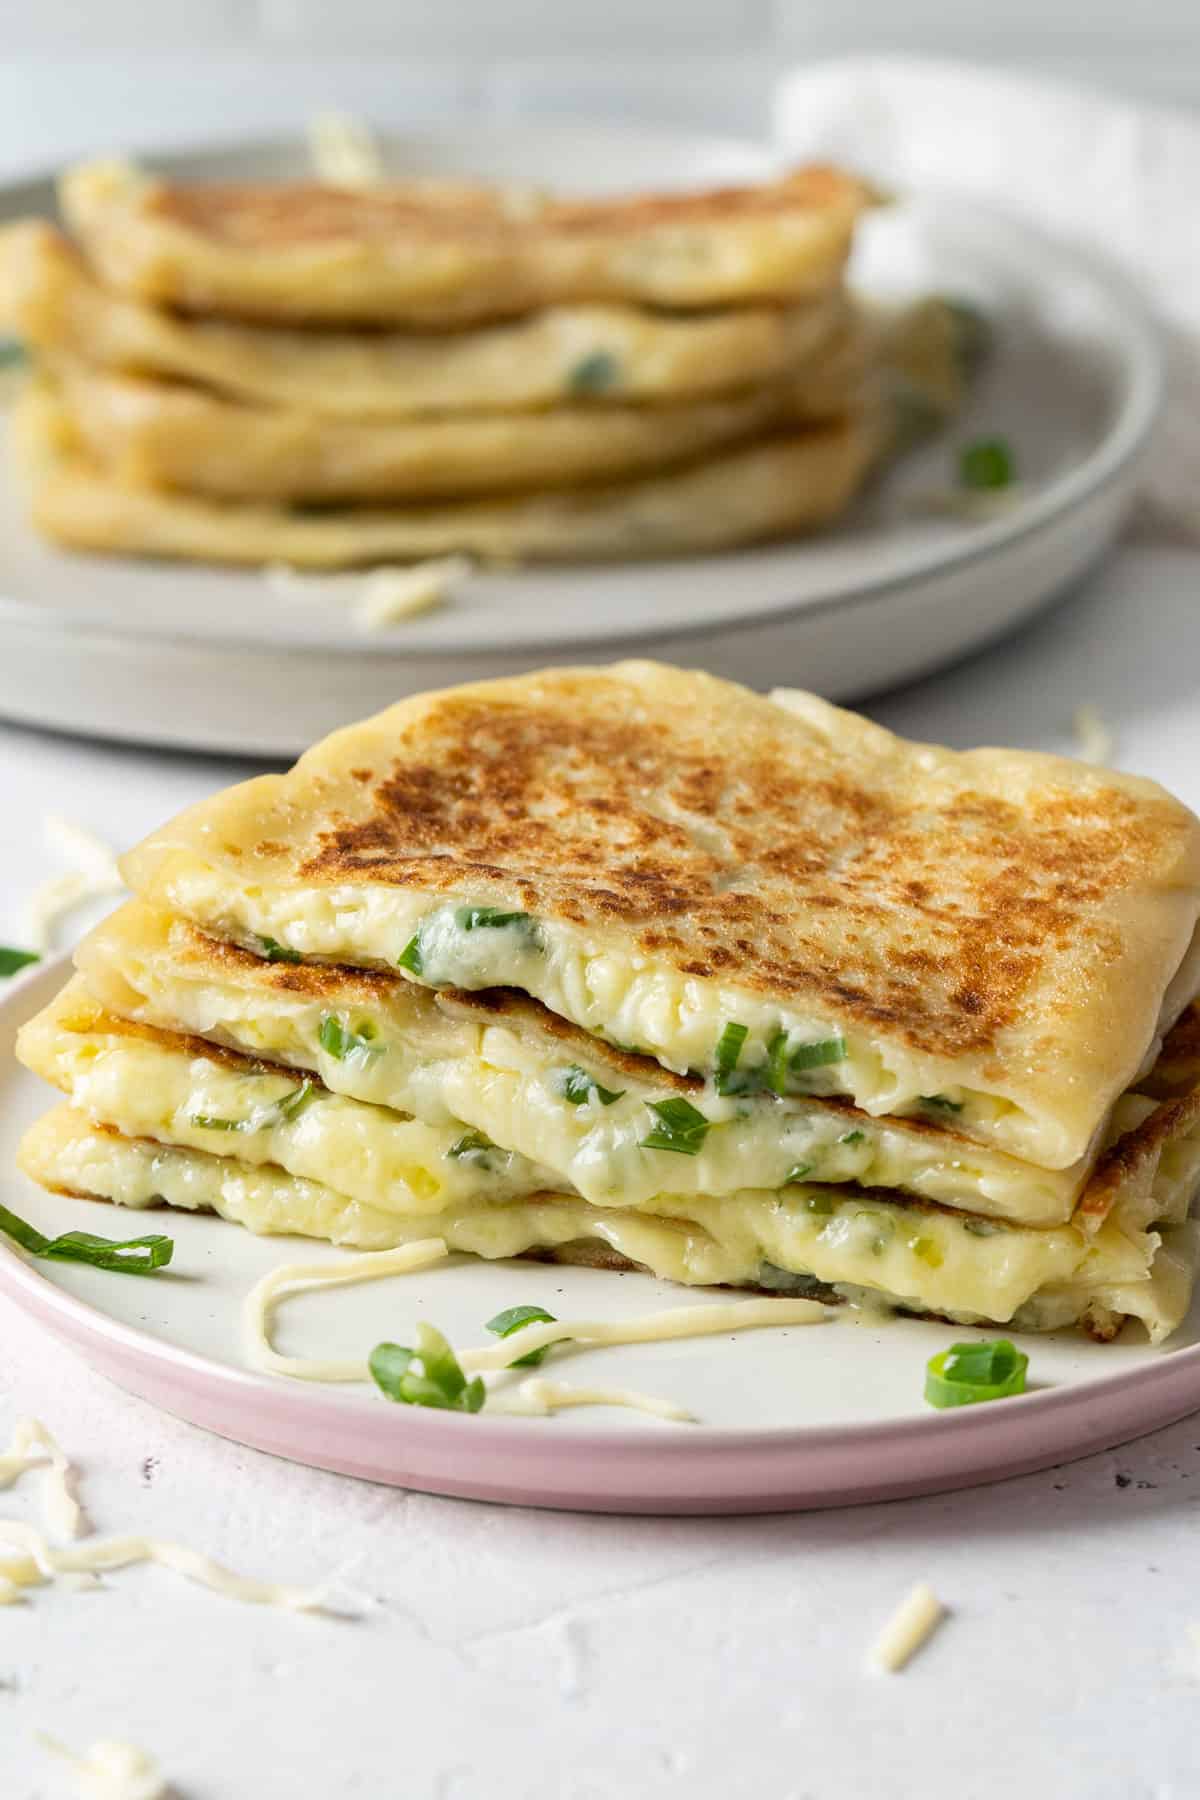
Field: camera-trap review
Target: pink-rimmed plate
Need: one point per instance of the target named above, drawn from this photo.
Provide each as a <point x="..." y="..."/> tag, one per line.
<point x="810" y="1416"/>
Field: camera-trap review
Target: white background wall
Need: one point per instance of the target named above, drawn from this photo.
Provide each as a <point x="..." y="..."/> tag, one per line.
<point x="74" y="73"/>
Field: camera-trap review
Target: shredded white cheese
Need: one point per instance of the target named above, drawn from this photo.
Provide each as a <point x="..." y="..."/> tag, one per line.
<point x="344" y="151"/>
<point x="104" y="1554"/>
<point x="973" y="505"/>
<point x="536" y="1395"/>
<point x="1096" y="740"/>
<point x="385" y="596"/>
<point x="659" y="1327"/>
<point x="539" y="1395"/>
<point x="93" y="876"/>
<point x="911" y="1625"/>
<point x="299" y="1278"/>
<point x="32" y="1445"/>
<point x="112" y="1770"/>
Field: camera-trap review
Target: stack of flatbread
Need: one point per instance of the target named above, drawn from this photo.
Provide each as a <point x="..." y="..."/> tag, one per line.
<point x="327" y="376"/>
<point x="634" y="967"/>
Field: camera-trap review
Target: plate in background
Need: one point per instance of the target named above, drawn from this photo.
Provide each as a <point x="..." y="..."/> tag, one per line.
<point x="810" y="1416"/>
<point x="214" y="659"/>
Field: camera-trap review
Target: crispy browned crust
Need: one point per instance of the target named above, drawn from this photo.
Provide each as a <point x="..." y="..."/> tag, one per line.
<point x="253" y="216"/>
<point x="1130" y="1164"/>
<point x="563" y="799"/>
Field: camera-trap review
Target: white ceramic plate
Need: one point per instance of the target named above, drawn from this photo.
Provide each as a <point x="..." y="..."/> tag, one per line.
<point x="803" y="1417"/>
<point x="213" y="659"/>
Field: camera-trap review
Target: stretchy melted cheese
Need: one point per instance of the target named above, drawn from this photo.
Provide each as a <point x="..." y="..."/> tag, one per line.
<point x="852" y="1248"/>
<point x="994" y="939"/>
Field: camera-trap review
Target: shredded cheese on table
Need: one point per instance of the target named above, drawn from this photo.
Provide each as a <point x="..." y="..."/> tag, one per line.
<point x="29" y="1559"/>
<point x="911" y="1625"/>
<point x="1096" y="740"/>
<point x="112" y="1770"/>
<point x="93" y="875"/>
<point x="344" y="151"/>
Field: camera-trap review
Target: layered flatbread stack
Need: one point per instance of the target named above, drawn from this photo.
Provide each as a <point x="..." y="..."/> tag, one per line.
<point x="324" y="376"/>
<point x="635" y="968"/>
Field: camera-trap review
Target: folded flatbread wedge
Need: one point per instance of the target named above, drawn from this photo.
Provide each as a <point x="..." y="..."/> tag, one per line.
<point x="166" y="435"/>
<point x="776" y="898"/>
<point x="569" y="355"/>
<point x="415" y="255"/>
<point x="777" y="486"/>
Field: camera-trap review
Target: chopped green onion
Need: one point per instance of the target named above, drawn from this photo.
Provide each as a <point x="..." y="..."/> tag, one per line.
<point x="797" y="1172"/>
<point x="13" y="353"/>
<point x="513" y="1319"/>
<point x="980" y="1227"/>
<point x="729" y="1048"/>
<point x="682" y="1127"/>
<point x="594" y="373"/>
<point x="336" y="1037"/>
<point x="489" y="918"/>
<point x="410" y="957"/>
<point x="784" y="1061"/>
<point x="437" y="1380"/>
<point x="852" y="1137"/>
<point x="577" y="1086"/>
<point x="815" y="1056"/>
<point x="968" y="1373"/>
<point x="987" y="464"/>
<point x="275" y="952"/>
<point x="12" y="960"/>
<point x="472" y="1147"/>
<point x="943" y="1102"/>
<point x="132" y="1256"/>
<point x="265" y="1118"/>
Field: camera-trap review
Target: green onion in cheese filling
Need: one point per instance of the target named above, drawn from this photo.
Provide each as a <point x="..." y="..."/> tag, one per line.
<point x="942" y="1103"/>
<point x="430" y="1375"/>
<point x="344" y="1043"/>
<point x="264" y="1118"/>
<point x="798" y="1172"/>
<point x="410" y="957"/>
<point x="490" y="918"/>
<point x="729" y="1047"/>
<point x="274" y="952"/>
<point x="594" y="373"/>
<point x="852" y="1137"/>
<point x="578" y="1087"/>
<point x="681" y="1127"/>
<point x="473" y="1147"/>
<point x="129" y="1256"/>
<point x="11" y="960"/>
<point x="786" y="1060"/>
<point x="515" y="1318"/>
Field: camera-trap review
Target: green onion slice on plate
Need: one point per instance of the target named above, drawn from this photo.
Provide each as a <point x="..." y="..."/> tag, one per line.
<point x="430" y="1375"/>
<point x="965" y="1374"/>
<point x="515" y="1318"/>
<point x="133" y="1256"/>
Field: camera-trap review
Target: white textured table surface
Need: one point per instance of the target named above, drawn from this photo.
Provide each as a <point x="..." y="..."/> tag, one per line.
<point x="504" y="1655"/>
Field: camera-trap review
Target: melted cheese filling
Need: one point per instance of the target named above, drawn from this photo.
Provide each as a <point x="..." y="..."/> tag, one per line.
<point x="600" y="985"/>
<point x="859" y="1246"/>
<point x="509" y="1084"/>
